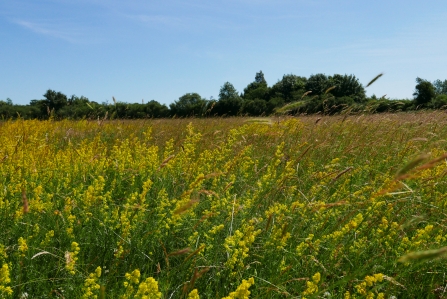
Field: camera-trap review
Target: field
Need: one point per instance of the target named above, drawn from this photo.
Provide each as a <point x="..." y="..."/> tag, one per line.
<point x="306" y="207"/>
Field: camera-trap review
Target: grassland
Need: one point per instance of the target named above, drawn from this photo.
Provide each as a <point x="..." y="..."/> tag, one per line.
<point x="308" y="207"/>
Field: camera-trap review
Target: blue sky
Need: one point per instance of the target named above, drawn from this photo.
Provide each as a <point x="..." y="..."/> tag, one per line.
<point x="159" y="50"/>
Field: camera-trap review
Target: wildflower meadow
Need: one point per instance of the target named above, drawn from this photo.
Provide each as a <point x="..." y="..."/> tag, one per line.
<point x="347" y="206"/>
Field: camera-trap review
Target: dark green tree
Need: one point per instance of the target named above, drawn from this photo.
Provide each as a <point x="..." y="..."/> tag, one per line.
<point x="75" y="101"/>
<point x="6" y="109"/>
<point x="259" y="78"/>
<point x="190" y="104"/>
<point x="257" y="89"/>
<point x="290" y="88"/>
<point x="229" y="102"/>
<point x="54" y="100"/>
<point x="154" y="109"/>
<point x="42" y="107"/>
<point x="254" y="107"/>
<point x="424" y="92"/>
<point x="318" y="84"/>
<point x="347" y="86"/>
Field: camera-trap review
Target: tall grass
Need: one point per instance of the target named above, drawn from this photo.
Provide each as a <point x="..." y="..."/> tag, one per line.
<point x="339" y="207"/>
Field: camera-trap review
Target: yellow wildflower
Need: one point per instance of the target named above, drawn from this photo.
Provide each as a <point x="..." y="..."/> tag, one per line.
<point x="71" y="257"/>
<point x="133" y="277"/>
<point x="4" y="280"/>
<point x="91" y="285"/>
<point x="312" y="286"/>
<point x="194" y="294"/>
<point x="242" y="291"/>
<point x="148" y="289"/>
<point x="23" y="247"/>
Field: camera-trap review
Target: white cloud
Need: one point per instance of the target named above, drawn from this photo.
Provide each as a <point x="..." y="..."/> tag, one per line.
<point x="71" y="36"/>
<point x="72" y="33"/>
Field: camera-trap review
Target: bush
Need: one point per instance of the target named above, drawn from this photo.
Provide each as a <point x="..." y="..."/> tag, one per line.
<point x="439" y="102"/>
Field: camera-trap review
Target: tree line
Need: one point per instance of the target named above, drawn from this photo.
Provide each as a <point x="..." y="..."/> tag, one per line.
<point x="291" y="95"/>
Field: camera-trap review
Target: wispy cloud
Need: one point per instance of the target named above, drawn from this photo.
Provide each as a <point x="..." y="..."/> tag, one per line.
<point x="189" y="24"/>
<point x="72" y="35"/>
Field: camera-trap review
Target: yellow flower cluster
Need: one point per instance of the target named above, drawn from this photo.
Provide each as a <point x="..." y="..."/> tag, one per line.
<point x="278" y="214"/>
<point x="23" y="247"/>
<point x="386" y="233"/>
<point x="238" y="245"/>
<point x="352" y="225"/>
<point x="194" y="294"/>
<point x="132" y="279"/>
<point x="369" y="281"/>
<point x="71" y="257"/>
<point x="147" y="289"/>
<point x="91" y="285"/>
<point x="422" y="235"/>
<point x="312" y="286"/>
<point x="5" y="280"/>
<point x="242" y="291"/>
<point x="308" y="243"/>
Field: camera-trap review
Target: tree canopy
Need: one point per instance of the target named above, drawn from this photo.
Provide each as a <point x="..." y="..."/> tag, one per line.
<point x="229" y="102"/>
<point x="190" y="104"/>
<point x="424" y="92"/>
<point x="319" y="93"/>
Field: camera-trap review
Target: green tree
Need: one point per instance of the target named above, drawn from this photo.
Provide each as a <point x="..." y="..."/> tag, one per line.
<point x="259" y="78"/>
<point x="156" y="110"/>
<point x="424" y="93"/>
<point x="290" y="88"/>
<point x="39" y="105"/>
<point x="6" y="110"/>
<point x="76" y="108"/>
<point x="229" y="102"/>
<point x="190" y="104"/>
<point x="75" y="101"/>
<point x="439" y="102"/>
<point x="318" y="84"/>
<point x="257" y="89"/>
<point x="440" y="86"/>
<point x="347" y="86"/>
<point x="228" y="92"/>
<point x="254" y="107"/>
<point x="55" y="100"/>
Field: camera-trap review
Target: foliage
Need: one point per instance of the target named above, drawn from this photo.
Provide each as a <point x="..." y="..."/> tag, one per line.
<point x="440" y="86"/>
<point x="154" y="109"/>
<point x="439" y="102"/>
<point x="347" y="86"/>
<point x="229" y="103"/>
<point x="290" y="88"/>
<point x="290" y="95"/>
<point x="53" y="101"/>
<point x="228" y="92"/>
<point x="254" y="107"/>
<point x="188" y="105"/>
<point x="424" y="92"/>
<point x="318" y="84"/>
<point x="257" y="90"/>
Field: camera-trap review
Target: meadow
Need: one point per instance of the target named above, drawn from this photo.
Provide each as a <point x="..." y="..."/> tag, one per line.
<point x="292" y="207"/>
